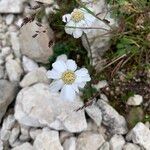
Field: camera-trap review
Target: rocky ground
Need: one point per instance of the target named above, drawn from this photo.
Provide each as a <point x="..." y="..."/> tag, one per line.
<point x="33" y="118"/>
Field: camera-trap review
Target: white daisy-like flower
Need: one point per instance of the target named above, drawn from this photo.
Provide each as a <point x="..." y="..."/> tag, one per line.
<point x="67" y="78"/>
<point x="78" y="21"/>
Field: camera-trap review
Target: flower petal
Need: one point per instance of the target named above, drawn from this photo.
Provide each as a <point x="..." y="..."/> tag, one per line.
<point x="82" y="84"/>
<point x="66" y="18"/>
<point x="77" y="33"/>
<point x="71" y="65"/>
<point x="55" y="86"/>
<point x="53" y="74"/>
<point x="81" y="72"/>
<point x="62" y="57"/>
<point x="68" y="93"/>
<point x="75" y="87"/>
<point x="80" y="79"/>
<point x="70" y="27"/>
<point x="59" y="66"/>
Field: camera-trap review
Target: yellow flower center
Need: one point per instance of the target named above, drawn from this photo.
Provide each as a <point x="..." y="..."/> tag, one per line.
<point x="68" y="77"/>
<point x="77" y="16"/>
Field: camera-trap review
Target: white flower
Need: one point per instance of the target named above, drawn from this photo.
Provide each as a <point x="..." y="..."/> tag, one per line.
<point x="78" y="21"/>
<point x="67" y="78"/>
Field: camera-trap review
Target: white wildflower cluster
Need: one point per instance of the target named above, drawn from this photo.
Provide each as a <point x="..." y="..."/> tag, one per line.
<point x="78" y="22"/>
<point x="67" y="78"/>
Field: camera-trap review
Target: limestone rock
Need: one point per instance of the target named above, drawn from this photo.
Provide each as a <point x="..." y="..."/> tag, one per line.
<point x="117" y="142"/>
<point x="135" y="100"/>
<point x="95" y="113"/>
<point x="28" y="64"/>
<point x="36" y="76"/>
<point x="24" y="146"/>
<point x="105" y="146"/>
<point x="131" y="146"/>
<point x="112" y="119"/>
<point x="45" y="1"/>
<point x="36" y="48"/>
<point x="28" y="110"/>
<point x="7" y="95"/>
<point x="14" y="70"/>
<point x="140" y="135"/>
<point x="89" y="141"/>
<point x="47" y="140"/>
<point x="70" y="144"/>
<point x="11" y="6"/>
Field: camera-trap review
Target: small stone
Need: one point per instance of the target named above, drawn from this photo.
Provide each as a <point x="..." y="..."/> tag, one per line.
<point x="24" y="146"/>
<point x="5" y="134"/>
<point x="89" y="141"/>
<point x="65" y="135"/>
<point x="1" y="72"/>
<point x="101" y="84"/>
<point x="135" y="100"/>
<point x="34" y="132"/>
<point x="36" y="76"/>
<point x="117" y="142"/>
<point x="1" y="145"/>
<point x="70" y="144"/>
<point x="6" y="51"/>
<point x="45" y="1"/>
<point x="24" y="133"/>
<point x="47" y="140"/>
<point x="9" y="122"/>
<point x="36" y="48"/>
<point x="112" y="119"/>
<point x="14" y="70"/>
<point x="14" y="134"/>
<point x="95" y="113"/>
<point x="11" y="6"/>
<point x="14" y="37"/>
<point x="105" y="146"/>
<point x="140" y="135"/>
<point x="131" y="146"/>
<point x="9" y="19"/>
<point x="28" y="64"/>
<point x="7" y="95"/>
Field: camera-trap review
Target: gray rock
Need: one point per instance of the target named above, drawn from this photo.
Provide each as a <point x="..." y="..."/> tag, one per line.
<point x="64" y="135"/>
<point x="14" y="134"/>
<point x="9" y="19"/>
<point x="112" y="119"/>
<point x="99" y="39"/>
<point x="7" y="95"/>
<point x="34" y="132"/>
<point x="14" y="70"/>
<point x="14" y="38"/>
<point x="11" y="6"/>
<point x="28" y="64"/>
<point x="1" y="145"/>
<point x="8" y="122"/>
<point x="135" y="100"/>
<point x="131" y="146"/>
<point x="45" y="1"/>
<point x="70" y="144"/>
<point x="47" y="140"/>
<point x="95" y="113"/>
<point x="89" y="141"/>
<point x="117" y="142"/>
<point x="24" y="133"/>
<point x="36" y="48"/>
<point x="1" y="72"/>
<point x="36" y="76"/>
<point x="5" y="134"/>
<point x="140" y="135"/>
<point x="101" y="84"/>
<point x="24" y="146"/>
<point x="28" y="110"/>
<point x="105" y="146"/>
